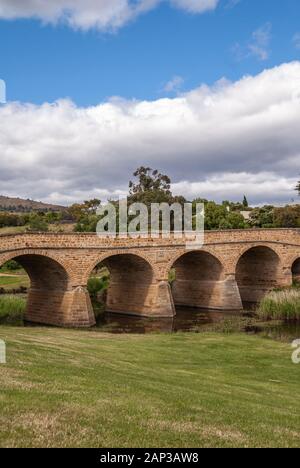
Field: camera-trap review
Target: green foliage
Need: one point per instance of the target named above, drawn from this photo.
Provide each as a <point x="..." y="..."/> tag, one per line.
<point x="149" y="180"/>
<point x="81" y="211"/>
<point x="87" y="223"/>
<point x="220" y="217"/>
<point x="151" y="187"/>
<point x="37" y="223"/>
<point x="85" y="215"/>
<point x="245" y="202"/>
<point x="281" y="305"/>
<point x="12" y="309"/>
<point x="233" y="220"/>
<point x="172" y="276"/>
<point x="97" y="285"/>
<point x="287" y="217"/>
<point x="262" y="217"/>
<point x="53" y="217"/>
<point x="271" y="217"/>
<point x="12" y="220"/>
<point x="12" y="265"/>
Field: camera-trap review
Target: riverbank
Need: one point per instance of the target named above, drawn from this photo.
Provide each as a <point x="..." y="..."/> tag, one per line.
<point x="88" y="389"/>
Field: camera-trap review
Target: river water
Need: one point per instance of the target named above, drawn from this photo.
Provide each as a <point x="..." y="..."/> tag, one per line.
<point x="198" y="321"/>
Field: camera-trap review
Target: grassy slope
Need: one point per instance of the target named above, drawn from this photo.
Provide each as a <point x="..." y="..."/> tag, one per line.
<point x="84" y="388"/>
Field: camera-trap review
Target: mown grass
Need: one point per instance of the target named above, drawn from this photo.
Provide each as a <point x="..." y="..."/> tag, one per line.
<point x="12" y="309"/>
<point x="281" y="305"/>
<point x="63" y="388"/>
<point x="14" y="282"/>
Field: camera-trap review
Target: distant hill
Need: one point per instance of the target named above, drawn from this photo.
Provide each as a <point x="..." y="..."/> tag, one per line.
<point x="25" y="206"/>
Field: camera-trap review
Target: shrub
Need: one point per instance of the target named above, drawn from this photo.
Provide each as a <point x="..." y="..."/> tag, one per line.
<point x="97" y="285"/>
<point x="37" y="223"/>
<point x="12" y="265"/>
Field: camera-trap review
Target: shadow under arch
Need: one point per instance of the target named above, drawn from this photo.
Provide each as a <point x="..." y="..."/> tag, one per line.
<point x="296" y="271"/>
<point x="200" y="282"/>
<point x="49" y="283"/>
<point x="132" y="286"/>
<point x="257" y="273"/>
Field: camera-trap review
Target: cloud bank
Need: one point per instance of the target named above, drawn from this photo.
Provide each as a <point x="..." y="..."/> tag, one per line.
<point x="220" y="141"/>
<point x="99" y="14"/>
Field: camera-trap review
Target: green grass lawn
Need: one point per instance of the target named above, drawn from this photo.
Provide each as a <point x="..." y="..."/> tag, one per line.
<point x="88" y="389"/>
<point x="14" y="282"/>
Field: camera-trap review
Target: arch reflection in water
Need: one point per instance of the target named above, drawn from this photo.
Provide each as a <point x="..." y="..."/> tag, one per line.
<point x="186" y="320"/>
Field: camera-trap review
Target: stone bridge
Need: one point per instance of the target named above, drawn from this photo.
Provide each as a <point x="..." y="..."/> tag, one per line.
<point x="232" y="268"/>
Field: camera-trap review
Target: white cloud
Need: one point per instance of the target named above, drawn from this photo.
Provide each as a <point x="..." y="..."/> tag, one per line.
<point x="86" y="14"/>
<point x="174" y="85"/>
<point x="195" y="6"/>
<point x="276" y="189"/>
<point x="258" y="46"/>
<point x="296" y="40"/>
<point x="221" y="141"/>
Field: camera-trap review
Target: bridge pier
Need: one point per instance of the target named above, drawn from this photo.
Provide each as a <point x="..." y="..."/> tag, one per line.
<point x="215" y="295"/>
<point x="63" y="308"/>
<point x="140" y="299"/>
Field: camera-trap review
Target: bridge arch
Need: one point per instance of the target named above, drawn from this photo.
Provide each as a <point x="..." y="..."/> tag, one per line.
<point x="52" y="299"/>
<point x="44" y="270"/>
<point x="200" y="282"/>
<point x="257" y="272"/>
<point x="105" y="257"/>
<point x="49" y="281"/>
<point x="133" y="288"/>
<point x="13" y="254"/>
<point x="296" y="270"/>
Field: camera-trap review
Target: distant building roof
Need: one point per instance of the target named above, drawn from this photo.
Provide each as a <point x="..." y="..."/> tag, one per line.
<point x="246" y="214"/>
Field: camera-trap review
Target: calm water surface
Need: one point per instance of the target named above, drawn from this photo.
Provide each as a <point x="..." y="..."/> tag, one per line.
<point x="197" y="321"/>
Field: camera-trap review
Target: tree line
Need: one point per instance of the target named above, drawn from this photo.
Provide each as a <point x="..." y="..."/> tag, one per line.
<point x="150" y="186"/>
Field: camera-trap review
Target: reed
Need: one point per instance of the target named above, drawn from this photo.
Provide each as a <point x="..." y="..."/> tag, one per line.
<point x="12" y="309"/>
<point x="281" y="305"/>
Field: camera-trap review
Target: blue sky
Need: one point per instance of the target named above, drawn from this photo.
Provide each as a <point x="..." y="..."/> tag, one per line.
<point x="163" y="59"/>
<point x="45" y="62"/>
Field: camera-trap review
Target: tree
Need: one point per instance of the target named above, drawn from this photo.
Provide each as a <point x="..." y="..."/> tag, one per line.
<point x="37" y="223"/>
<point x="11" y="265"/>
<point x="53" y="217"/>
<point x="149" y="180"/>
<point x="298" y="188"/>
<point x="81" y="210"/>
<point x="152" y="187"/>
<point x="245" y="202"/>
<point x="262" y="217"/>
<point x="97" y="285"/>
<point x="287" y="217"/>
<point x="220" y="217"/>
